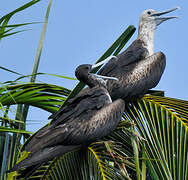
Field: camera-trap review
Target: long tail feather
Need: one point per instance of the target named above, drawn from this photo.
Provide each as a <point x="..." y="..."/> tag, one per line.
<point x="43" y="155"/>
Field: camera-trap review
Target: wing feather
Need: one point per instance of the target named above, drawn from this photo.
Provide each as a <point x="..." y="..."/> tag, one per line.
<point x="125" y="58"/>
<point x="83" y="129"/>
<point x="87" y="99"/>
<point x="58" y="131"/>
<point x="137" y="78"/>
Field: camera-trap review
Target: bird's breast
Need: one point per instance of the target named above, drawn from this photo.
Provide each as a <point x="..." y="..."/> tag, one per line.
<point x="138" y="77"/>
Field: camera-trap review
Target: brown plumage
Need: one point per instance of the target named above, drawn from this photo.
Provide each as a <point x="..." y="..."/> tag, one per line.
<point x="88" y="117"/>
<point x="138" y="68"/>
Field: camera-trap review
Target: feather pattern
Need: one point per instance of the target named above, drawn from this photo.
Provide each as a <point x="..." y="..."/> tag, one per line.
<point x="88" y="117"/>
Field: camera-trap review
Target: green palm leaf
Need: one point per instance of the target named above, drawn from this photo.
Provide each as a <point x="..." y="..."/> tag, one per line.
<point x="173" y="105"/>
<point x="5" y="28"/>
<point x="5" y="129"/>
<point x="159" y="123"/>
<point x="44" y="96"/>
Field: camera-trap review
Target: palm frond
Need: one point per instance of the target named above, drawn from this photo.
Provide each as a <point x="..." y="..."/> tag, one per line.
<point x="177" y="106"/>
<point x="45" y="96"/>
<point x="5" y="129"/>
<point x="165" y="134"/>
<point x="5" y="28"/>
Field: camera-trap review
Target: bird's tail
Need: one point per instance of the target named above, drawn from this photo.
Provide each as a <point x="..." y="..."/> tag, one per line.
<point x="41" y="156"/>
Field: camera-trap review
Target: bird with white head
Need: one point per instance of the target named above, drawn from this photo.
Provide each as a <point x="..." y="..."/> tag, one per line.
<point x="138" y="68"/>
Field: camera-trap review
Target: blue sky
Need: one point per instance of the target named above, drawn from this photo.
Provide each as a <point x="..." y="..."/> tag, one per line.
<point x="80" y="31"/>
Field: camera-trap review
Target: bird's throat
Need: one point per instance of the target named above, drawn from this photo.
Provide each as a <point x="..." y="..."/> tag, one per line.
<point x="146" y="34"/>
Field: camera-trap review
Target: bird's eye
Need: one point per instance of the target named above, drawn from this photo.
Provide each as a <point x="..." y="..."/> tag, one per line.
<point x="149" y="12"/>
<point x="87" y="67"/>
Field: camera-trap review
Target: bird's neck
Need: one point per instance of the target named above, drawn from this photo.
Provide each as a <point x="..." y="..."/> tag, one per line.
<point x="92" y="81"/>
<point x="146" y="34"/>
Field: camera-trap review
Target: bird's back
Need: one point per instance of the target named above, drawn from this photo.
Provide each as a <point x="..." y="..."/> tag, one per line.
<point x="73" y="117"/>
<point x="88" y="117"/>
<point x="137" y="72"/>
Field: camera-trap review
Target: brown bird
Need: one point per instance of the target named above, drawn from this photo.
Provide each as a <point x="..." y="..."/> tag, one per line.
<point x="88" y="117"/>
<point x="138" y="68"/>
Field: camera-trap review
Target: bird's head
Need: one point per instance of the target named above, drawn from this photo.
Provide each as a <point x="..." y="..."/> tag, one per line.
<point x="83" y="73"/>
<point x="151" y="18"/>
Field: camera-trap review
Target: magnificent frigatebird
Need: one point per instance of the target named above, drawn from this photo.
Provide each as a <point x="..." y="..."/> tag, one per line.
<point x="138" y="68"/>
<point x="90" y="116"/>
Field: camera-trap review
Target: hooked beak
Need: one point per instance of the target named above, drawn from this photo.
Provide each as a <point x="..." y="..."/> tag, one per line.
<point x="159" y="19"/>
<point x="102" y="62"/>
<point x="106" y="77"/>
